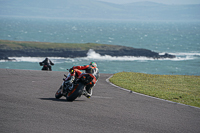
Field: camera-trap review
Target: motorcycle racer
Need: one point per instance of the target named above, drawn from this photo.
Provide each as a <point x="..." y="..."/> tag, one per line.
<point x="46" y="62"/>
<point x="92" y="69"/>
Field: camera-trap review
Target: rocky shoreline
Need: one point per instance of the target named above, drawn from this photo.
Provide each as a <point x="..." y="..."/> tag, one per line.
<point x="72" y="53"/>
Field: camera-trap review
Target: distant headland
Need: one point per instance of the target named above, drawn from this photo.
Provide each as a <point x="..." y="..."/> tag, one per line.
<point x="72" y="50"/>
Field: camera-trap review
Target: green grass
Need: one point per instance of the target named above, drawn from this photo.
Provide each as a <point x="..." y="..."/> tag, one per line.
<point x="178" y="88"/>
<point x="20" y="45"/>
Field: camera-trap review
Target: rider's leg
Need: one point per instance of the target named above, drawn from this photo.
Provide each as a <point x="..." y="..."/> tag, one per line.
<point x="50" y="68"/>
<point x="71" y="80"/>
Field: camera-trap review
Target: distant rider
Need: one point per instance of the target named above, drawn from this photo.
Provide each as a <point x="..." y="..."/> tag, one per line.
<point x="92" y="69"/>
<point x="47" y="62"/>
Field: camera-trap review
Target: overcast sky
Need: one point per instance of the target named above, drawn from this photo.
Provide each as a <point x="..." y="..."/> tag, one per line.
<point x="158" y="1"/>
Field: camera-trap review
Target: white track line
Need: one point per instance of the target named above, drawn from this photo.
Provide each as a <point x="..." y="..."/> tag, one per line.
<point x="101" y="97"/>
<point x="107" y="80"/>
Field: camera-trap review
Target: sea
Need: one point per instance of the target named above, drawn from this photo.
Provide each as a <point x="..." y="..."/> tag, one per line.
<point x="179" y="38"/>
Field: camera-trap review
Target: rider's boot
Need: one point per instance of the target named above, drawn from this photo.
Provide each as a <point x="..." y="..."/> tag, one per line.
<point x="85" y="93"/>
<point x="88" y="91"/>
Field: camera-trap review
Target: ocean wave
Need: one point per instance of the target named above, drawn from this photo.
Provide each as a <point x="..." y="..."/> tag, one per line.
<point x="33" y="59"/>
<point x="93" y="55"/>
<point x="187" y="54"/>
<point x="183" y="54"/>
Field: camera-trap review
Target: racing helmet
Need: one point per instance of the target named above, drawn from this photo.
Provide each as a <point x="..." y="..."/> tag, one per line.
<point x="93" y="64"/>
<point x="71" y="70"/>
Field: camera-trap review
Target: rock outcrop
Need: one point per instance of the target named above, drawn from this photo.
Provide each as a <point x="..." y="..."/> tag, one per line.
<point x="44" y="49"/>
<point x="122" y="51"/>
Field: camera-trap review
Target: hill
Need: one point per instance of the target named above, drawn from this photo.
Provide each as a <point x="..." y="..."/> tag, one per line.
<point x="93" y="9"/>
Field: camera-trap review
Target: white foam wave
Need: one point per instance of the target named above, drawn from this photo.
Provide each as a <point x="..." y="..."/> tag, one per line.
<point x="183" y="54"/>
<point x="3" y="60"/>
<point x="33" y="59"/>
<point x="93" y="55"/>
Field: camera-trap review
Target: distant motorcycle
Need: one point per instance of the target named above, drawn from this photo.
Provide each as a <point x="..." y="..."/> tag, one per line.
<point x="45" y="67"/>
<point x="46" y="64"/>
<point x="73" y="90"/>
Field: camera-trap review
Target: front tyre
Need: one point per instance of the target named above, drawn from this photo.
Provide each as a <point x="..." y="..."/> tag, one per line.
<point x="76" y="92"/>
<point x="59" y="93"/>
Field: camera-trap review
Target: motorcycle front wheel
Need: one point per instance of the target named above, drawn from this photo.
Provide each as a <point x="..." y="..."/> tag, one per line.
<point x="77" y="91"/>
<point x="58" y="93"/>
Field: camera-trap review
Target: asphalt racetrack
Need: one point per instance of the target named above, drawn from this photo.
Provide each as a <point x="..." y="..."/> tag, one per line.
<point x="27" y="105"/>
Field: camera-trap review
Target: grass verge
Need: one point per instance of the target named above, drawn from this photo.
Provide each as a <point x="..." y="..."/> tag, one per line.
<point x="177" y="88"/>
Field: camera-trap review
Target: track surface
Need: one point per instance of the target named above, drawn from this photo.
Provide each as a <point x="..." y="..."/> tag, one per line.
<point x="27" y="105"/>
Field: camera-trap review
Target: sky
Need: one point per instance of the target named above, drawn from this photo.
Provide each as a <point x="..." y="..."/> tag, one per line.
<point x="157" y="1"/>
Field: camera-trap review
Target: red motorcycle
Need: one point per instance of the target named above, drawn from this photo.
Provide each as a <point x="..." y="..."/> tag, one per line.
<point x="73" y="90"/>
